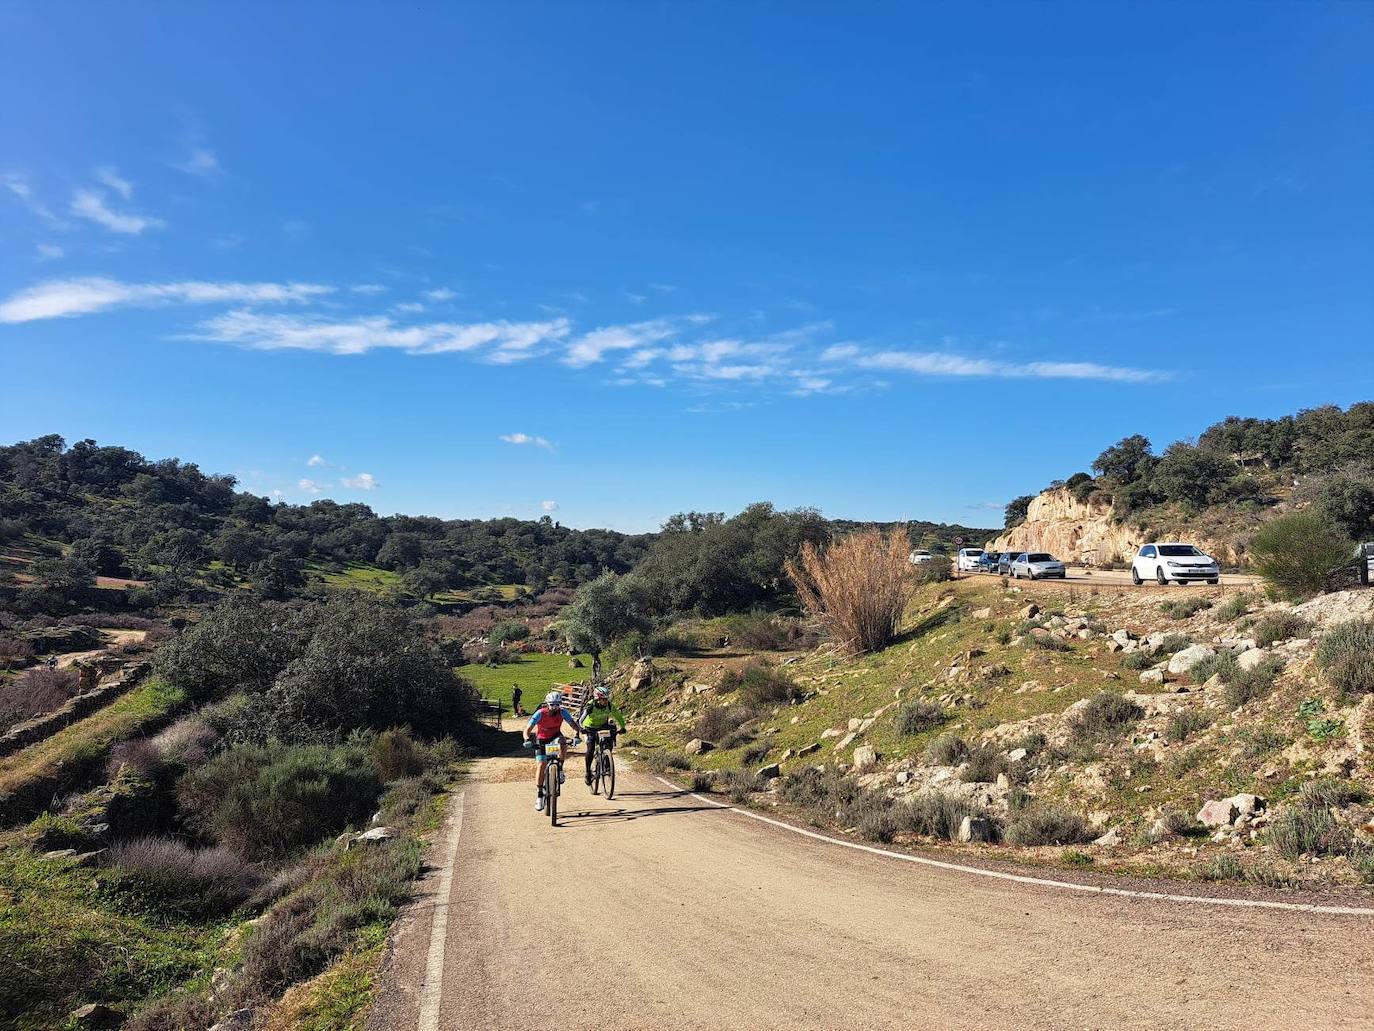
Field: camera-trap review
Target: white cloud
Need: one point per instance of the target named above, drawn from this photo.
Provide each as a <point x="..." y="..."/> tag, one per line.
<point x="90" y="205"/>
<point x="525" y="438"/>
<point x="314" y="461"/>
<point x="50" y="251"/>
<point x="441" y="294"/>
<point x="592" y="347"/>
<point x="940" y="363"/>
<point x="839" y="352"/>
<point x="201" y="161"/>
<point x="363" y="481"/>
<point x="309" y="486"/>
<point x="409" y="308"/>
<point x="549" y="506"/>
<point x="368" y="289"/>
<point x="110" y="176"/>
<point x="65" y="297"/>
<point x="504" y="341"/>
<point x="988" y="505"/>
<point x="18" y="184"/>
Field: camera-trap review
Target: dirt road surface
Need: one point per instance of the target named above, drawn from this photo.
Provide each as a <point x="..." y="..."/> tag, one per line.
<point x="658" y="911"/>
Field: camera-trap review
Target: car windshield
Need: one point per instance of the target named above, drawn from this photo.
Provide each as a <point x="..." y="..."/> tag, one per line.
<point x="1179" y="550"/>
<point x="1039" y="558"/>
<point x="973" y="552"/>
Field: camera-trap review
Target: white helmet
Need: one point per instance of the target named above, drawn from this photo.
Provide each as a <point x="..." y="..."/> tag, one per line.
<point x="553" y="698"/>
<point x="601" y="691"/>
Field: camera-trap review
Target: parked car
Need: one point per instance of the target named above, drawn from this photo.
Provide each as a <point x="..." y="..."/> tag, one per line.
<point x="1005" y="560"/>
<point x="967" y="562"/>
<point x="1364" y="562"/>
<point x="1037" y="565"/>
<point x="987" y="561"/>
<point x="1172" y="560"/>
<point x="919" y="557"/>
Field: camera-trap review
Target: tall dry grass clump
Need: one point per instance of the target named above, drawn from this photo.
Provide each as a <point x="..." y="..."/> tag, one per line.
<point x="857" y="588"/>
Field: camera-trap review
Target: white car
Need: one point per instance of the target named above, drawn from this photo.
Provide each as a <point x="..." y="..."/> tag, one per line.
<point x="1036" y="565"/>
<point x="919" y="557"/>
<point x="1172" y="560"/>
<point x="967" y="561"/>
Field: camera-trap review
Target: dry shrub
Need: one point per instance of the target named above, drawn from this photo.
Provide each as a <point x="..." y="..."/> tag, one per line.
<point x="14" y="651"/>
<point x="34" y="693"/>
<point x="857" y="588"/>
<point x="209" y="879"/>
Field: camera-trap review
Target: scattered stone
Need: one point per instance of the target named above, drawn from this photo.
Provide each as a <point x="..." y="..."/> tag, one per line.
<point x="770" y="772"/>
<point x="1123" y="637"/>
<point x="975" y="828"/>
<point x="1116" y="646"/>
<point x="983" y="613"/>
<point x="1251" y="658"/>
<point x="1111" y="839"/>
<point x="376" y="834"/>
<point x="1247" y="805"/>
<point x="794" y="720"/>
<point x="95" y="1015"/>
<point x="1182" y="662"/>
<point x="697" y="746"/>
<point x="60" y="853"/>
<point x="642" y="674"/>
<point x="1017" y="754"/>
<point x="787" y="753"/>
<point x="845" y="742"/>
<point x="903" y="776"/>
<point x="1004" y="782"/>
<point x="815" y="746"/>
<point x="1030" y="611"/>
<point x="831" y="732"/>
<point x="1152" y="676"/>
<point x="574" y="663"/>
<point x="239" y="1020"/>
<point x="855" y="723"/>
<point x="1220" y="812"/>
<point x="1108" y="674"/>
<point x="865" y="756"/>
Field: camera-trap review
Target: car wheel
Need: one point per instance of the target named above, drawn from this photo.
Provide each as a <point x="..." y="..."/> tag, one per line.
<point x="1214" y="582"/>
<point x="1135" y="576"/>
<point x="1159" y="575"/>
<point x="1031" y="574"/>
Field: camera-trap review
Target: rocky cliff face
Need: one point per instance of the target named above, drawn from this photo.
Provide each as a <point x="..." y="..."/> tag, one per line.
<point x="1078" y="531"/>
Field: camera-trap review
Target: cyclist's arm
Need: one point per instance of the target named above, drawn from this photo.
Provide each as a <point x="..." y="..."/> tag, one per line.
<point x="571" y="719"/>
<point x="619" y="717"/>
<point x="534" y="718"/>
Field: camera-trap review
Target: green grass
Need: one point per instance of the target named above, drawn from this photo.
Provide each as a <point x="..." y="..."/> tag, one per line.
<point x="336" y="1000"/>
<point x="57" y="763"/>
<point x="68" y="937"/>
<point x="535" y="673"/>
<point x="358" y="576"/>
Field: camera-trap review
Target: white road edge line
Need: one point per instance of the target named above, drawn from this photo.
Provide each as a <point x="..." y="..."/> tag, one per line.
<point x="1208" y="900"/>
<point x="432" y="990"/>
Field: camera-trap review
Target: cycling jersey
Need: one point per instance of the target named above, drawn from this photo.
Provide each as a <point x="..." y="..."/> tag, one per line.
<point x="594" y="717"/>
<point x="548" y="723"/>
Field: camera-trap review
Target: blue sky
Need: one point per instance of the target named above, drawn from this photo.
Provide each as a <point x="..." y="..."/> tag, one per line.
<point x="613" y="261"/>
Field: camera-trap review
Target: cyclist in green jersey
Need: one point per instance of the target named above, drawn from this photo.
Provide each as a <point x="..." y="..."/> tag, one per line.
<point x="600" y="715"/>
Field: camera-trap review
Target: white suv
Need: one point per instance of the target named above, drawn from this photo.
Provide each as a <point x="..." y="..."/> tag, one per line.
<point x="968" y="559"/>
<point x="1170" y="560"/>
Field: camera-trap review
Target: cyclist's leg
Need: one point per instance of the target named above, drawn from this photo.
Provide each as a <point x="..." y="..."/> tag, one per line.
<point x="562" y="758"/>
<point x="590" y="738"/>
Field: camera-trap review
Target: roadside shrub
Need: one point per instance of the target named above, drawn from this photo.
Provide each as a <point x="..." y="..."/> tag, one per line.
<point x="1308" y="829"/>
<point x="1297" y="553"/>
<point x="661" y="762"/>
<point x="917" y="715"/>
<point x="184" y="744"/>
<point x="1346" y="657"/>
<point x="881" y="823"/>
<point x="703" y="780"/>
<point x="641" y="643"/>
<point x="34" y="693"/>
<point x="1047" y="824"/>
<point x="717" y="721"/>
<point x="271" y="801"/>
<point x="1178" y="822"/>
<point x="395" y="755"/>
<point x="760" y="631"/>
<point x="937" y="570"/>
<point x="759" y="685"/>
<point x="14" y="651"/>
<point x="1172" y="643"/>
<point x="1033" y="741"/>
<point x="755" y="753"/>
<point x="1246" y="685"/>
<point x="1331" y="792"/>
<point x="1223" y="663"/>
<point x="508" y="630"/>
<point x="1137" y="660"/>
<point x="857" y="589"/>
<point x="1279" y="626"/>
<point x="938" y="814"/>
<point x="1106" y="714"/>
<point x="735" y="739"/>
<point x="947" y="750"/>
<point x="1235" y="606"/>
<point x="169" y="874"/>
<point x="739" y="784"/>
<point x="1182" y="608"/>
<point x="982" y="765"/>
<point x="178" y="1011"/>
<point x="1261" y="741"/>
<point x="1183" y="725"/>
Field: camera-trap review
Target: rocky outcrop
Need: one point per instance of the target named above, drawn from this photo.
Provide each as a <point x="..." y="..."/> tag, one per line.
<point x="1084" y="531"/>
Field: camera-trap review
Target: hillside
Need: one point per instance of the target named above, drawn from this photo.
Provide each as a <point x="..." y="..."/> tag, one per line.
<point x="1113" y="723"/>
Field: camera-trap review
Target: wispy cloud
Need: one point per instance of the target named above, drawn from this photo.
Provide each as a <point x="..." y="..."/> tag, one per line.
<point x="315" y="461"/>
<point x="499" y="342"/>
<point x="368" y="289"/>
<point x="309" y="486"/>
<point x="441" y="294"/>
<point x="66" y="297"/>
<point x="199" y="161"/>
<point x="363" y="481"/>
<point x="549" y="506"/>
<point x="18" y="184"/>
<point x="942" y="363"/>
<point x="987" y="505"/>
<point x="110" y="176"/>
<point x="49" y="252"/>
<point x="526" y="438"/>
<point x="90" y="205"/>
<point x="592" y="347"/>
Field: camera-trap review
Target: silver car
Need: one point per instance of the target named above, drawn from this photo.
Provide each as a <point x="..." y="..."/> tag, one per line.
<point x="1037" y="565"/>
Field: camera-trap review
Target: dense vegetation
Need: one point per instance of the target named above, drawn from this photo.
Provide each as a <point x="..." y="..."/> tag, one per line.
<point x="1322" y="455"/>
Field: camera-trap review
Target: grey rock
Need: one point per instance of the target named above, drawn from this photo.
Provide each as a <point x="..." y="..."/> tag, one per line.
<point x="1220" y="812"/>
<point x="376" y="834"/>
<point x="1152" y="676"/>
<point x="1110" y="839"/>
<point x="770" y="772"/>
<point x="865" y="757"/>
<point x="697" y="746"/>
<point x="1251" y="658"/>
<point x="975" y="828"/>
<point x="815" y="746"/>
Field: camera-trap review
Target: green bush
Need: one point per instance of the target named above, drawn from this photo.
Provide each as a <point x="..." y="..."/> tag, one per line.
<point x="739" y="784"/>
<point x="271" y="801"/>
<point x="754" y="753"/>
<point x="1307" y="829"/>
<point x="170" y="877"/>
<point x="1106" y="714"/>
<point x="1183" y="725"/>
<point x="759" y="685"/>
<point x="937" y="814"/>
<point x="761" y="631"/>
<point x="982" y="765"/>
<point x="1235" y="606"/>
<point x="1136" y="661"/>
<point x="660" y="762"/>
<point x="1346" y="657"/>
<point x="1172" y="643"/>
<point x="1331" y="792"/>
<point x="918" y="715"/>
<point x="507" y="631"/>
<point x="1279" y="626"/>
<point x="1048" y="825"/>
<point x="1222" y="663"/>
<point x="1182" y="608"/>
<point x="947" y="750"/>
<point x="1246" y="685"/>
<point x="718" y="721"/>
<point x="1297" y="553"/>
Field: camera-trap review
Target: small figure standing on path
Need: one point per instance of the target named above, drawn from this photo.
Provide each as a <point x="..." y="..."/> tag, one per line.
<point x="515" y="700"/>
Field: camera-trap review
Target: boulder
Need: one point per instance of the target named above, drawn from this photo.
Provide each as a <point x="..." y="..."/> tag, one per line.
<point x="1247" y="805"/>
<point x="574" y="663"/>
<point x="865" y="757"/>
<point x="1152" y="676"/>
<point x="855" y="723"/>
<point x="975" y="828"/>
<point x="831" y="732"/>
<point x="1220" y="812"/>
<point x="1182" y="662"/>
<point x="815" y="746"/>
<point x="95" y="1015"/>
<point x="1017" y="754"/>
<point x="376" y="834"/>
<point x="1030" y="611"/>
<point x="1123" y="637"/>
<point x="770" y="772"/>
<point x="1110" y="839"/>
<point x="1251" y="657"/>
<point x="1004" y="782"/>
<point x="982" y="613"/>
<point x="641" y="675"/>
<point x="697" y="746"/>
<point x="904" y="776"/>
<point x="845" y="742"/>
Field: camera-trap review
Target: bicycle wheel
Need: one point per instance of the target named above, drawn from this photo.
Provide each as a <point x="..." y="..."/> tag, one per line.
<point x="551" y="791"/>
<point x="608" y="772"/>
<point x="596" y="769"/>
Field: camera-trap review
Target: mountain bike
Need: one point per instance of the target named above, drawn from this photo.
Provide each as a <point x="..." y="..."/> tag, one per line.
<point x="603" y="761"/>
<point x="553" y="767"/>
